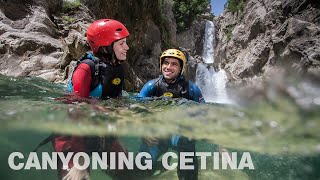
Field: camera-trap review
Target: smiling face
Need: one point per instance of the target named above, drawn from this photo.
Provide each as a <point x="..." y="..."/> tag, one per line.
<point x="120" y="48"/>
<point x="170" y="68"/>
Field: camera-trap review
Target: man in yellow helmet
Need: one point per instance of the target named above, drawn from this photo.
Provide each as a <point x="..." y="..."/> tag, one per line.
<point x="172" y="84"/>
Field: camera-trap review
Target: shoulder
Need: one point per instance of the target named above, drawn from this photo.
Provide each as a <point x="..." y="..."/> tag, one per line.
<point x="193" y="87"/>
<point x="88" y="62"/>
<point x="89" y="59"/>
<point x="195" y="92"/>
<point x="150" y="82"/>
<point x="148" y="88"/>
<point x="83" y="68"/>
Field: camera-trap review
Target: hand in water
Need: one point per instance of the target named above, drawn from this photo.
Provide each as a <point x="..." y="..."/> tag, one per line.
<point x="72" y="98"/>
<point x="224" y="150"/>
<point x="150" y="140"/>
<point x="77" y="174"/>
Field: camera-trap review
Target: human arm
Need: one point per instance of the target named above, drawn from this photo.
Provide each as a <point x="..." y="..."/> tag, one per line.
<point x="81" y="80"/>
<point x="148" y="89"/>
<point x="195" y="93"/>
<point x="150" y="140"/>
<point x="65" y="144"/>
<point x="77" y="174"/>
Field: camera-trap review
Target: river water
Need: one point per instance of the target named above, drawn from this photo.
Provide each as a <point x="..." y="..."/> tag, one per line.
<point x="282" y="138"/>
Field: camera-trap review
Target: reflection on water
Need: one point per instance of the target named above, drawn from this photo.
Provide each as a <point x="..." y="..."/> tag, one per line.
<point x="282" y="138"/>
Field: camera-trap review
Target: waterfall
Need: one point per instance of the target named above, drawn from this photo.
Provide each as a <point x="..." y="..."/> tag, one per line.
<point x="208" y="54"/>
<point x="211" y="82"/>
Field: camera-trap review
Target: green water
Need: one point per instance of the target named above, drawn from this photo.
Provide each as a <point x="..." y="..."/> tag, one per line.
<point x="282" y="138"/>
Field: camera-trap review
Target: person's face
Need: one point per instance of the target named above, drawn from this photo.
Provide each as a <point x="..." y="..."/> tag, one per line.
<point x="120" y="48"/>
<point x="170" y="68"/>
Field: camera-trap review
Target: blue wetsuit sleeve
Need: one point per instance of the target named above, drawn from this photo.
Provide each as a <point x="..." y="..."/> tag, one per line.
<point x="148" y="89"/>
<point x="195" y="93"/>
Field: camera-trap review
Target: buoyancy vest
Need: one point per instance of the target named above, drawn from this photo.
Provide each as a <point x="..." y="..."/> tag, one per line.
<point x="107" y="80"/>
<point x="112" y="80"/>
<point x="179" y="89"/>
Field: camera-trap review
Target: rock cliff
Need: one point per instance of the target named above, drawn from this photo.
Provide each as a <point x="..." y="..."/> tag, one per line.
<point x="41" y="38"/>
<point x="267" y="35"/>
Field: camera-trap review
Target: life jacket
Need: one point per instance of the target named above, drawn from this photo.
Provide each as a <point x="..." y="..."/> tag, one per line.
<point x="179" y="89"/>
<point x="107" y="80"/>
<point x="112" y="80"/>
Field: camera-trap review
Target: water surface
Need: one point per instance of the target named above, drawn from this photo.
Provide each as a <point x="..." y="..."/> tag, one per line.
<point x="281" y="136"/>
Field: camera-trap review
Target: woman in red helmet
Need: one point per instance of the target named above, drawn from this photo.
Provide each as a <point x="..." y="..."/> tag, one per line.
<point x="97" y="74"/>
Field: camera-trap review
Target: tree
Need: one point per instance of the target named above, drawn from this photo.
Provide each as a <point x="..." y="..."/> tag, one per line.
<point x="186" y="11"/>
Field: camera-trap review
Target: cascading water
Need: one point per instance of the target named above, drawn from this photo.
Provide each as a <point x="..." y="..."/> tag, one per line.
<point x="208" y="52"/>
<point x="211" y="82"/>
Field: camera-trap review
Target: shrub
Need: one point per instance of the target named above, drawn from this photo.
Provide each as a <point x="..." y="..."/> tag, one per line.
<point x="228" y="31"/>
<point x="235" y="5"/>
<point x="186" y="11"/>
<point x="69" y="5"/>
<point x="68" y="19"/>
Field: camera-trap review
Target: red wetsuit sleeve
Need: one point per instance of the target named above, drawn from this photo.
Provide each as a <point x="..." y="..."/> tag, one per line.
<point x="68" y="144"/>
<point x="81" y="80"/>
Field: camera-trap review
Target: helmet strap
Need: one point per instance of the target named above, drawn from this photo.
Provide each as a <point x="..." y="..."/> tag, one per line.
<point x="181" y="66"/>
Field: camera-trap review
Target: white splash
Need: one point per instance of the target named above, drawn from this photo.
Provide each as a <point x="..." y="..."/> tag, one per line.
<point x="212" y="84"/>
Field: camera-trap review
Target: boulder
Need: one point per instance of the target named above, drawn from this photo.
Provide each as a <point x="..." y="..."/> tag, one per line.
<point x="269" y="34"/>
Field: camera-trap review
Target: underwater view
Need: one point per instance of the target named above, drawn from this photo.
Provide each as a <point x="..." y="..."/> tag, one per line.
<point x="281" y="137"/>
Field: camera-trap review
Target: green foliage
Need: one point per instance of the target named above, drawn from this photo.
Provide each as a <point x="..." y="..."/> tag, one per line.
<point x="187" y="10"/>
<point x="228" y="31"/>
<point x="235" y="5"/>
<point x="69" y="5"/>
<point x="68" y="19"/>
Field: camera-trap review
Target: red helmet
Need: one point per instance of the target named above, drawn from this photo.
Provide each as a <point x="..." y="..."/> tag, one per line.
<point x="103" y="32"/>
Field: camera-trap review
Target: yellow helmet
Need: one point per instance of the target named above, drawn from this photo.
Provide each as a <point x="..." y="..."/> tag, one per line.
<point x="175" y="53"/>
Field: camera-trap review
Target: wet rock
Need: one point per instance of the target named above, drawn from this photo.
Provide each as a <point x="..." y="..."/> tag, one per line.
<point x="77" y="45"/>
<point x="192" y="39"/>
<point x="149" y="60"/>
<point x="28" y="38"/>
<point x="250" y="61"/>
<point x="50" y="75"/>
<point x="38" y="36"/>
<point x="268" y="34"/>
